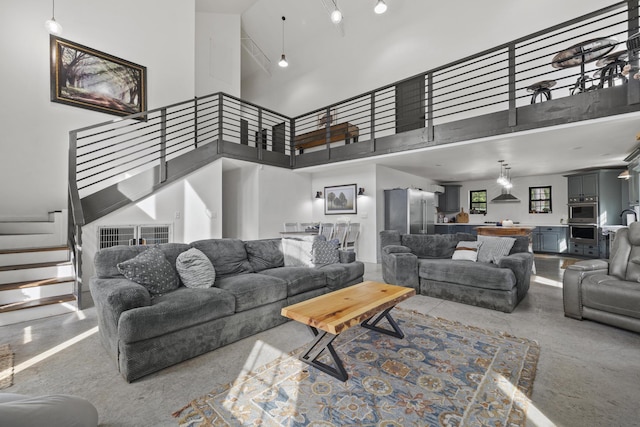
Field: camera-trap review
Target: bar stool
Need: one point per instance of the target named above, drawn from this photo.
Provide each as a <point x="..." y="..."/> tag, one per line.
<point x="541" y="90"/>
<point x="611" y="69"/>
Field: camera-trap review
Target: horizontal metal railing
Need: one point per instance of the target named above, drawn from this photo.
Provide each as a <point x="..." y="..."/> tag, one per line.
<point x="496" y="80"/>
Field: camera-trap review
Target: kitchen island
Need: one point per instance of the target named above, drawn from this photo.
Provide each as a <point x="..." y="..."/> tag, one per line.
<point x="513" y="230"/>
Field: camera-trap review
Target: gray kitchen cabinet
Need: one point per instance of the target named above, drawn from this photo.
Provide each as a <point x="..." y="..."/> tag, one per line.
<point x="587" y="250"/>
<point x="549" y="239"/>
<point x="449" y="201"/>
<point x="582" y="187"/>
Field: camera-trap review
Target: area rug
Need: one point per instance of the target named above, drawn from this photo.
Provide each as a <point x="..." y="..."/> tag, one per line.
<point x="442" y="373"/>
<point x="6" y="366"/>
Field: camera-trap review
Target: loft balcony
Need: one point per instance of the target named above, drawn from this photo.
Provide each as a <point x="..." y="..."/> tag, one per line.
<point x="565" y="74"/>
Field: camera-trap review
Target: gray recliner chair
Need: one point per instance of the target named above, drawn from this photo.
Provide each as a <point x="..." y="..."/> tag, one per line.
<point x="607" y="291"/>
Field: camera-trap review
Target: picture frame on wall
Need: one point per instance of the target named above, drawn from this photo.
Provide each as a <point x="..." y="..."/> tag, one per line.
<point x="341" y="200"/>
<point x="87" y="78"/>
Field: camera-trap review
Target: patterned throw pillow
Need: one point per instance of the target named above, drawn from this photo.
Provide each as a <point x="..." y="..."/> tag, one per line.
<point x="325" y="252"/>
<point x="467" y="251"/>
<point x="152" y="270"/>
<point x="494" y="248"/>
<point x="195" y="269"/>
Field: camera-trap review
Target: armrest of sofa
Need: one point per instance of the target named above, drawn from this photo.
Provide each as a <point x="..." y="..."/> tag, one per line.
<point x="521" y="263"/>
<point x="346" y="256"/>
<point x="112" y="297"/>
<point x="572" y="284"/>
<point x="400" y="266"/>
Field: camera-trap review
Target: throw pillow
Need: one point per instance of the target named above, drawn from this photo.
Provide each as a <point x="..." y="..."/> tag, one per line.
<point x="195" y="269"/>
<point x="467" y="251"/>
<point x="152" y="270"/>
<point x="325" y="252"/>
<point x="494" y="248"/>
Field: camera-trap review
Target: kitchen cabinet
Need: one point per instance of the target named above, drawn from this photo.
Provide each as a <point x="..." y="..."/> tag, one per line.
<point x="583" y="187"/>
<point x="449" y="201"/>
<point x="550" y="239"/>
<point x="634" y="186"/>
<point x="453" y="229"/>
<point x="588" y="250"/>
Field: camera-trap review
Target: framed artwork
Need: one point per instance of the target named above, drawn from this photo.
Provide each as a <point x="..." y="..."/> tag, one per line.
<point x="340" y="200"/>
<point x="322" y="118"/>
<point x="87" y="78"/>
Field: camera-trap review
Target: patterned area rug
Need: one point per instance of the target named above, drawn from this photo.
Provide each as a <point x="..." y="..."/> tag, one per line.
<point x="441" y="374"/>
<point x="6" y="366"/>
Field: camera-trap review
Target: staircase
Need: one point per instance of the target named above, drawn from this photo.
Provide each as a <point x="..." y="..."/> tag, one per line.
<point x="37" y="278"/>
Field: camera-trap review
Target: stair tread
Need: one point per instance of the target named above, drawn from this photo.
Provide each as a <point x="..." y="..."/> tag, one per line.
<point x="35" y="265"/>
<point x="42" y="249"/>
<point x="36" y="283"/>
<point x="36" y="303"/>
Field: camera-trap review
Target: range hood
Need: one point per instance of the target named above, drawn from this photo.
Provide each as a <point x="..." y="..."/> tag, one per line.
<point x="505" y="197"/>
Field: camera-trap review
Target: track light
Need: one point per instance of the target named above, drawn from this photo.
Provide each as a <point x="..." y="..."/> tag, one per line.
<point x="380" y="7"/>
<point x="52" y="25"/>
<point x="283" y="59"/>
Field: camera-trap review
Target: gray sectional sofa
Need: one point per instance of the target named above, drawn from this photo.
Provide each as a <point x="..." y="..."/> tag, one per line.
<point x="144" y="332"/>
<point x="424" y="262"/>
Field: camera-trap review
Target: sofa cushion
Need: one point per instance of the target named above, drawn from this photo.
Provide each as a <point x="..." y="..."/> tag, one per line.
<point x="195" y="269"/>
<point x="607" y="293"/>
<point x="151" y="269"/>
<point x="475" y="274"/>
<point x="264" y="254"/>
<point x="339" y="275"/>
<point x="299" y="279"/>
<point x="433" y="245"/>
<point x="228" y="256"/>
<point x="466" y="251"/>
<point x="253" y="290"/>
<point x="494" y="248"/>
<point x="187" y="306"/>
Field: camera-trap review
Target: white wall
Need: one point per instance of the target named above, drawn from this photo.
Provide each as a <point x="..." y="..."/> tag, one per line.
<point x="217" y="58"/>
<point x="158" y="34"/>
<point x="193" y="206"/>
<point x="258" y="200"/>
<point x="519" y="211"/>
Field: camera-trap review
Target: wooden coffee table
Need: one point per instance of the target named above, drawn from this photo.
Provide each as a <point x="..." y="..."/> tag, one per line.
<point x="337" y="311"/>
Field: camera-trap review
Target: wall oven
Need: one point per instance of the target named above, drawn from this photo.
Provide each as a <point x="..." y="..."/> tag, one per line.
<point x="583" y="213"/>
<point x="586" y="234"/>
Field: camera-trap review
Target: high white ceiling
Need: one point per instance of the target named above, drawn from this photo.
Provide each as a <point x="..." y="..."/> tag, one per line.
<point x="600" y="143"/>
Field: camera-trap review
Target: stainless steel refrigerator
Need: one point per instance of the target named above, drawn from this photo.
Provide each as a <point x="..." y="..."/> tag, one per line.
<point x="409" y="211"/>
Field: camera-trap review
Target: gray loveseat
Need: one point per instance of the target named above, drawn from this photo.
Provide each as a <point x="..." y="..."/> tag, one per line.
<point x="145" y="334"/>
<point x="423" y="262"/>
<point x="607" y="291"/>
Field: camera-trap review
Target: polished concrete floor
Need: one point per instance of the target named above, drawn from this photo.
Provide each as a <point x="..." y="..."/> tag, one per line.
<point x="588" y="373"/>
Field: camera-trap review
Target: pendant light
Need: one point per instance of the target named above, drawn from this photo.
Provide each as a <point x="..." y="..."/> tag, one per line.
<point x="380" y="8"/>
<point x="283" y="59"/>
<point x="52" y="25"/>
<point x="336" y="15"/>
<point x="501" y="178"/>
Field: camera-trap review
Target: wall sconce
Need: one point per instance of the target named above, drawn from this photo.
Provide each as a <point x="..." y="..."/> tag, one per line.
<point x="318" y="194"/>
<point x="361" y="191"/>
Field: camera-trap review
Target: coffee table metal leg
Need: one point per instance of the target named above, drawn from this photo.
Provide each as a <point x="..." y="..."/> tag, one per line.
<point x="316" y="349"/>
<point x="396" y="332"/>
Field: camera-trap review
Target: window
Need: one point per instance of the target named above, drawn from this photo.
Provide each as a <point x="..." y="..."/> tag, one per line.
<point x="540" y="199"/>
<point x="133" y="234"/>
<point x="478" y="202"/>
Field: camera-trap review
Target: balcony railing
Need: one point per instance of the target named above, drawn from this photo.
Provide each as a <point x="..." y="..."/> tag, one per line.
<point x="484" y="94"/>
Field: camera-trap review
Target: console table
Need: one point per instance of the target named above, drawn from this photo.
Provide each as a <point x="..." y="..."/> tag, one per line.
<point x="341" y="132"/>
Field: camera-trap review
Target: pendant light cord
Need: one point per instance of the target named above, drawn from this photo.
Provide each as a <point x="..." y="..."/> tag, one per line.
<point x="283" y="19"/>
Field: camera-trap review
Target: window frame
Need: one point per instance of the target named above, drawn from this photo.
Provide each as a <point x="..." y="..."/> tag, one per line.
<point x="471" y="202"/>
<point x="533" y="201"/>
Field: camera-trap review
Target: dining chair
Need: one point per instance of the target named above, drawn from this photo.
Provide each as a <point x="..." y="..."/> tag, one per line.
<point x="326" y="230"/>
<point x="340" y="231"/>
<point x="290" y="226"/>
<point x="351" y="238"/>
